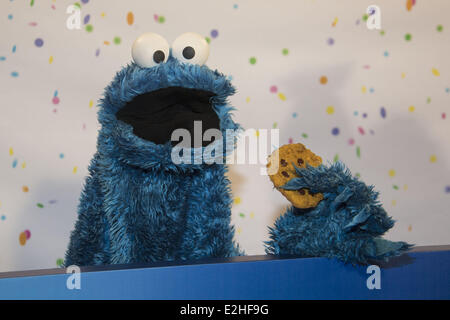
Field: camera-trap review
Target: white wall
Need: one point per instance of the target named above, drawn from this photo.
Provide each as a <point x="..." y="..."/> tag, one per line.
<point x="404" y="141"/>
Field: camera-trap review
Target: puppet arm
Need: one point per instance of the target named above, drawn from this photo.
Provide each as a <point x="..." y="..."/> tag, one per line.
<point x="347" y="224"/>
<point x="208" y="229"/>
<point x="88" y="244"/>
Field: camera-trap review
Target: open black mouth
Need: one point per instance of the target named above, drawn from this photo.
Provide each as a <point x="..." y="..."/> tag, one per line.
<point x="156" y="114"/>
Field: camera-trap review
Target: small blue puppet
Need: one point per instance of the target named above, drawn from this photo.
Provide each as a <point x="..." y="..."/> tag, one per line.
<point x="139" y="205"/>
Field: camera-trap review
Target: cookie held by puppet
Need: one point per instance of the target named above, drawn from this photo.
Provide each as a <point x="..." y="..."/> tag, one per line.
<point x="333" y="213"/>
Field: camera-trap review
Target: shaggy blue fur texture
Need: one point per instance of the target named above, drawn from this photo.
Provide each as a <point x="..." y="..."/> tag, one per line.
<point x="347" y="224"/>
<point x="137" y="205"/>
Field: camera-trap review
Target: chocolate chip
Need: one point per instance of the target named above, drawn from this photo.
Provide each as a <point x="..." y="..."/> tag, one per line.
<point x="284" y="173"/>
<point x="300" y="161"/>
<point x="302" y="192"/>
<point x="283" y="163"/>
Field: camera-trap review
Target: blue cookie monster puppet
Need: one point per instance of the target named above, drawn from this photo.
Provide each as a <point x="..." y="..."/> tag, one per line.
<point x="138" y="205"/>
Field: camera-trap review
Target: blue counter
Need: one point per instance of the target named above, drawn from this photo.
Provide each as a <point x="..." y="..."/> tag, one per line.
<point x="422" y="273"/>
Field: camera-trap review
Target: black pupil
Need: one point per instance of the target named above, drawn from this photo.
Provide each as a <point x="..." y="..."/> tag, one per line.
<point x="188" y="53"/>
<point x="159" y="56"/>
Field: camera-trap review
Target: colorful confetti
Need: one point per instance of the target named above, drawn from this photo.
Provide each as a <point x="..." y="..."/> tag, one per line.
<point x="130" y="18"/>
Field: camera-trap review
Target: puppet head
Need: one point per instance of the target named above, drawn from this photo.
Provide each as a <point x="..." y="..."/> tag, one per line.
<point x="164" y="89"/>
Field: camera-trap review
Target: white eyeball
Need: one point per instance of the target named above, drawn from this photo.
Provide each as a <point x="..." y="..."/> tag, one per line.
<point x="149" y="50"/>
<point x="191" y="48"/>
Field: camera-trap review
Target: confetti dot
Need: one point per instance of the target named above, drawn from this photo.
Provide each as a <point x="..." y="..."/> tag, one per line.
<point x="394" y="202"/>
<point x="273" y="89"/>
<point x="363" y="89"/>
<point x="2" y="58"/>
<point x="361" y="130"/>
<point x="75" y="169"/>
<point x="86" y="19"/>
<point x="409" y="4"/>
<point x="38" y="42"/>
<point x="235" y="6"/>
<point x="408" y="37"/>
<point x="14" y="163"/>
<point x="161" y="19"/>
<point x="130" y="18"/>
<point x="3" y="217"/>
<point x="433" y="158"/>
<point x="14" y="74"/>
<point x="330" y="41"/>
<point x="304" y="135"/>
<point x="336" y="158"/>
<point x="237" y="200"/>
<point x="410" y="228"/>
<point x="214" y="33"/>
<point x="294" y="115"/>
<point x="285" y="51"/>
<point x="403" y="75"/>
<point x="208" y="39"/>
<point x="365" y="17"/>
<point x="335" y="131"/>
<point x="55" y="100"/>
<point x="11" y="151"/>
<point x="241" y="215"/>
<point x="290" y="140"/>
<point x="24" y="165"/>
<point x="358" y="152"/>
<point x="383" y="112"/>
<point x="386" y="54"/>
<point x="59" y="262"/>
<point x="428" y="99"/>
<point x="447" y="189"/>
<point x="439" y="28"/>
<point x="89" y="28"/>
<point x="14" y="48"/>
<point x="61" y="155"/>
<point x="22" y="238"/>
<point x="391" y="173"/>
<point x="443" y="115"/>
<point x="31" y="3"/>
<point x="10" y="16"/>
<point x="40" y="205"/>
<point x="395" y="187"/>
<point x="50" y="60"/>
<point x="330" y="109"/>
<point x="411" y="108"/>
<point x="28" y="234"/>
<point x="252" y="215"/>
<point x="405" y="187"/>
<point x="323" y="80"/>
<point x="382" y="32"/>
<point x="351" y="141"/>
<point x="25" y="189"/>
<point x="84" y="1"/>
<point x="97" y="52"/>
<point x="274" y="126"/>
<point x="282" y="96"/>
<point x="91" y="103"/>
<point x="335" y="21"/>
<point x="117" y="40"/>
<point x="252" y="60"/>
<point x="435" y="72"/>
<point x="247" y="99"/>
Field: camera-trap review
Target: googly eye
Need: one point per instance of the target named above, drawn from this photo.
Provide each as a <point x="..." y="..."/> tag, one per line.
<point x="149" y="50"/>
<point x="191" y="48"/>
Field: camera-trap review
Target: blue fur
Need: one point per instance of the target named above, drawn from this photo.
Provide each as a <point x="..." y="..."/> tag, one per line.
<point x="137" y="205"/>
<point x="347" y="224"/>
